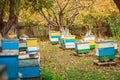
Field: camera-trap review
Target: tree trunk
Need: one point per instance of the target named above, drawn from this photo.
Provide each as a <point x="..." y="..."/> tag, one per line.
<point x="1" y="20"/>
<point x="12" y="5"/>
<point x="13" y="20"/>
<point x="1" y="14"/>
<point x="117" y="2"/>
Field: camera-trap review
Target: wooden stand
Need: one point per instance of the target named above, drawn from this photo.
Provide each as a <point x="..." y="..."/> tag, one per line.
<point x="82" y="54"/>
<point x="63" y="48"/>
<point x="30" y="79"/>
<point x="104" y="63"/>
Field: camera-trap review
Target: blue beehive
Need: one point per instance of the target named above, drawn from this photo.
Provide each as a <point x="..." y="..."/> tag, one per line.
<point x="10" y="45"/>
<point x="29" y="67"/>
<point x="9" y="58"/>
<point x="29" y="72"/>
<point x="11" y="63"/>
<point x="105" y="50"/>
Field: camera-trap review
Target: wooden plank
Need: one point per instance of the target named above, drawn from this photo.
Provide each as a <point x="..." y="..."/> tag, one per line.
<point x="82" y="54"/>
<point x="31" y="78"/>
<point x="104" y="63"/>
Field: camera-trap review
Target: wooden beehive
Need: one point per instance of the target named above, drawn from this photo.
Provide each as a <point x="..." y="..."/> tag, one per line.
<point x="90" y="39"/>
<point x="69" y="41"/>
<point x="82" y="47"/>
<point x="54" y="37"/>
<point x="105" y="50"/>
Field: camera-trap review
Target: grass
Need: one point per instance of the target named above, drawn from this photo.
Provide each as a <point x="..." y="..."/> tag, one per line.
<point x="57" y="64"/>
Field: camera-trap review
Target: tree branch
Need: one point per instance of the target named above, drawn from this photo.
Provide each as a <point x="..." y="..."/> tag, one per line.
<point x="65" y="6"/>
<point x="56" y="19"/>
<point x="71" y="19"/>
<point x="58" y="4"/>
<point x="83" y="7"/>
<point x="48" y="20"/>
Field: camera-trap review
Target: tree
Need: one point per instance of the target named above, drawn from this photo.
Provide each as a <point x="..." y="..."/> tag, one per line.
<point x="13" y="17"/>
<point x="60" y="13"/>
<point x="117" y="2"/>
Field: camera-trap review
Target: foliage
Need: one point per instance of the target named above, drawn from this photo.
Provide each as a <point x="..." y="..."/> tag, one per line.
<point x="43" y="31"/>
<point x="114" y="23"/>
<point x="89" y="20"/>
<point x="78" y="29"/>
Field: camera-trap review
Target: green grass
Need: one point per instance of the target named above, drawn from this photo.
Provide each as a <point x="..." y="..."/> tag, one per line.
<point x="58" y="64"/>
<point x="47" y="74"/>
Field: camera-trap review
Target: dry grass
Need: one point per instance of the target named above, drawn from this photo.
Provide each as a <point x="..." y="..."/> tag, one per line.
<point x="70" y="67"/>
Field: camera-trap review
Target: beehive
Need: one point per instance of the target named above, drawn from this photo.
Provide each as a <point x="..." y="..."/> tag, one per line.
<point x="22" y="45"/>
<point x="82" y="47"/>
<point x="28" y="66"/>
<point x="32" y="46"/>
<point x="11" y="63"/>
<point x="30" y="72"/>
<point x="90" y="39"/>
<point x="54" y="37"/>
<point x="69" y="41"/>
<point x="105" y="50"/>
<point x="10" y="47"/>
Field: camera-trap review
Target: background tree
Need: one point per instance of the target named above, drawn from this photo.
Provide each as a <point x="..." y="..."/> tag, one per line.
<point x="60" y="13"/>
<point x="117" y="2"/>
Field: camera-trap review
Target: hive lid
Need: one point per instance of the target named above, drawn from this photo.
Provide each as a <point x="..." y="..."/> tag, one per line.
<point x="105" y="41"/>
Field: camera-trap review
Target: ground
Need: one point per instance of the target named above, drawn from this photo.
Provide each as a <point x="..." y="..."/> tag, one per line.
<point x="58" y="64"/>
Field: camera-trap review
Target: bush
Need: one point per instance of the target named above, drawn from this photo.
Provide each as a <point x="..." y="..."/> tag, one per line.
<point x="44" y="33"/>
<point x="114" y="22"/>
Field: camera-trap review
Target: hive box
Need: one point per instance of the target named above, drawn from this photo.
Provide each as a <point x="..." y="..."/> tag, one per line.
<point x="28" y="62"/>
<point x="22" y="44"/>
<point x="10" y="45"/>
<point x="11" y="63"/>
<point x="82" y="47"/>
<point x="30" y="72"/>
<point x="90" y="39"/>
<point x="10" y="52"/>
<point x="105" y="50"/>
<point x="32" y="42"/>
<point x="69" y="41"/>
<point x="29" y="67"/>
<point x="54" y="37"/>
